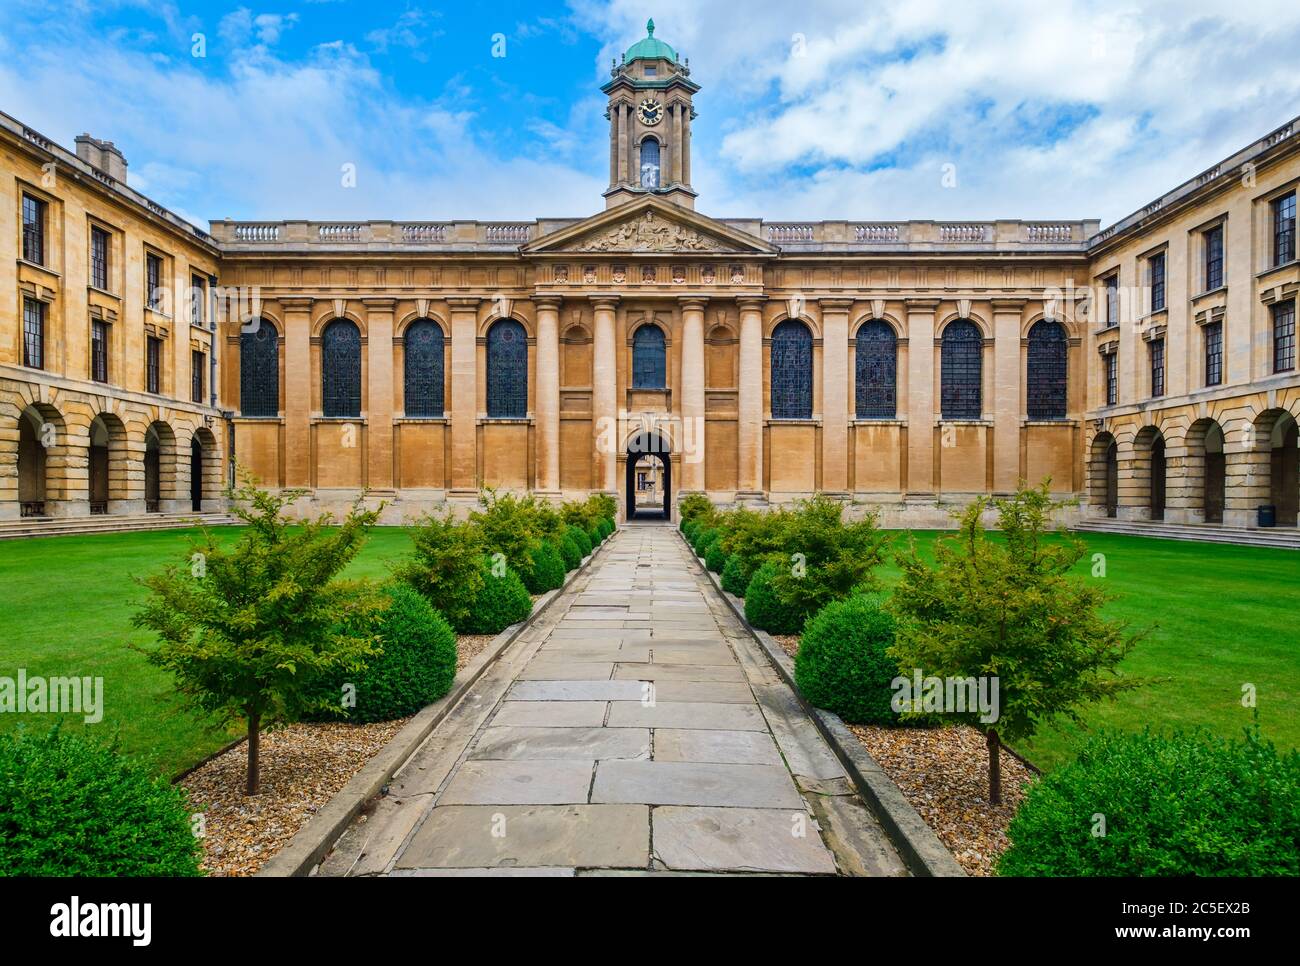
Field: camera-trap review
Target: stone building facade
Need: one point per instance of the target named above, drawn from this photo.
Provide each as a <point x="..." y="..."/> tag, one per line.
<point x="1148" y="369"/>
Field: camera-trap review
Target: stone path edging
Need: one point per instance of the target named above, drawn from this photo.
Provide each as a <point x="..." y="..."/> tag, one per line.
<point x="317" y="837"/>
<point x="915" y="841"/>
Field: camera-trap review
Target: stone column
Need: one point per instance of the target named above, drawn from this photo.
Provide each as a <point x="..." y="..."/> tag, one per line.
<point x="921" y="392"/>
<point x="464" y="397"/>
<point x="835" y="395"/>
<point x="1007" y="314"/>
<point x="297" y="391"/>
<point x="1247" y="472"/>
<point x="613" y="115"/>
<point x="692" y="444"/>
<point x="676" y="147"/>
<point x="379" y="394"/>
<point x="749" y="402"/>
<point x="685" y="144"/>
<point x="604" y="395"/>
<point x="622" y="142"/>
<point x="548" y="395"/>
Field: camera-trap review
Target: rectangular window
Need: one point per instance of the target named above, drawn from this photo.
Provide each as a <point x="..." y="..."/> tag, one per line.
<point x="34" y="229"/>
<point x="1112" y="379"/>
<point x="1156" y="267"/>
<point x="1112" y="301"/>
<point x="198" y="296"/>
<point x="1284" y="229"/>
<point x="153" y="281"/>
<point x="1284" y="336"/>
<point x="1158" y="367"/>
<point x="34" y="333"/>
<point x="1213" y="353"/>
<point x="99" y="258"/>
<point x="99" y="350"/>
<point x="1214" y="258"/>
<point x="152" y="364"/>
<point x="197" y="362"/>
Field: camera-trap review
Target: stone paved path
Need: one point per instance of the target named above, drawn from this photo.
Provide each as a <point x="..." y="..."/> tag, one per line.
<point x="634" y="729"/>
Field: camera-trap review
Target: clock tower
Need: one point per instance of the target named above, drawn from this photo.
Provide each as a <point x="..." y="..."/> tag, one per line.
<point x="650" y="124"/>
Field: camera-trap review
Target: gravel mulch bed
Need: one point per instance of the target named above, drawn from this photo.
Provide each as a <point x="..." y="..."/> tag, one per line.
<point x="303" y="766"/>
<point x="943" y="773"/>
<point x="789" y="643"/>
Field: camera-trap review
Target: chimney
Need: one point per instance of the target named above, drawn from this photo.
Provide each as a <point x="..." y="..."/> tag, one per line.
<point x="103" y="155"/>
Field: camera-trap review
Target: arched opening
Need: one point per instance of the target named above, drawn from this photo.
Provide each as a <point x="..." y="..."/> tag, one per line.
<point x="1284" y="471"/>
<point x="876" y="371"/>
<point x="341" y="370"/>
<point x="650" y="163"/>
<point x="107" y="464"/>
<point x="961" y="371"/>
<point x="205" y="471"/>
<point x="1149" y="470"/>
<point x="1103" y="474"/>
<point x="507" y="370"/>
<point x="1158" y="479"/>
<point x="196" y="475"/>
<point x="31" y="463"/>
<point x="649" y="477"/>
<point x="1205" y="471"/>
<point x="152" y="467"/>
<point x="1046" y="370"/>
<point x="792" y="370"/>
<point x="649" y="358"/>
<point x="423" y="349"/>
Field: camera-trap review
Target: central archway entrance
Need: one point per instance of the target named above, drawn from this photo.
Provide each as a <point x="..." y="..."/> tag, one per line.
<point x="648" y="478"/>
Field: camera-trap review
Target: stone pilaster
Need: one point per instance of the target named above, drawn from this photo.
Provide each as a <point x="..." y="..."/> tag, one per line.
<point x="1007" y="320"/>
<point x="379" y="394"/>
<point x="921" y="398"/>
<point x="692" y="405"/>
<point x="604" y="395"/>
<point x="297" y="391"/>
<point x="464" y="396"/>
<point x="835" y="395"/>
<point x="750" y="400"/>
<point x="548" y="395"/>
<point x="1247" y="475"/>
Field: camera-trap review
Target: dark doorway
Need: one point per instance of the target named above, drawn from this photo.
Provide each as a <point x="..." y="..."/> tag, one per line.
<point x="1215" y="475"/>
<point x="152" y="471"/>
<point x="196" y="475"/>
<point x="1112" y="480"/>
<point x="1284" y="476"/>
<point x="649" y="461"/>
<point x="1158" y="480"/>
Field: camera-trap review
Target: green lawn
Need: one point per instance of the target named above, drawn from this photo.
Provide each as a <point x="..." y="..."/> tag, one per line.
<point x="1224" y="613"/>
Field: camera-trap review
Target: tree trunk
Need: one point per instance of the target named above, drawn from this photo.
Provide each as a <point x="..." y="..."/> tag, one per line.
<point x="995" y="767"/>
<point x="254" y="736"/>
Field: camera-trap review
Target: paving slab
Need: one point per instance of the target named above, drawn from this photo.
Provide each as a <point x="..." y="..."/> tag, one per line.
<point x="719" y="717"/>
<point x="580" y="691"/>
<point x="677" y="672"/>
<point x="739" y="840"/>
<point x="695" y="783"/>
<point x="552" y="714"/>
<point x="549" y="669"/>
<point x="519" y="783"/>
<point x="727" y="747"/>
<point x="579" y="744"/>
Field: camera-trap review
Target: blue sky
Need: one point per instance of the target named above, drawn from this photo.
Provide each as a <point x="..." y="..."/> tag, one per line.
<point x="824" y="109"/>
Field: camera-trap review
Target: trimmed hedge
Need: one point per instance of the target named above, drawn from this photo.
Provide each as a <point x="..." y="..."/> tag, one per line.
<point x="764" y="609"/>
<point x="703" y="538"/>
<point x="502" y="601"/>
<point x="547" y="570"/>
<point x="570" y="552"/>
<point x="1187" y="803"/>
<point x="607" y="527"/>
<point x="70" y="805"/>
<point x="689" y="529"/>
<point x="733" y="576"/>
<point x="580" y="537"/>
<point x="715" y="558"/>
<point x="842" y="663"/>
<point x="415" y="667"/>
<point x="695" y="505"/>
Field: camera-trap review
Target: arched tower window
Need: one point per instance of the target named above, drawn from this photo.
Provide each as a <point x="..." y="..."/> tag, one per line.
<point x="341" y="370"/>
<point x="1046" y="364"/>
<point x="962" y="361"/>
<point x="876" y="371"/>
<point x="423" y="376"/>
<point x="791" y="371"/>
<point x="259" y="369"/>
<point x="507" y="370"/>
<point x="648" y="368"/>
<point x="650" y="163"/>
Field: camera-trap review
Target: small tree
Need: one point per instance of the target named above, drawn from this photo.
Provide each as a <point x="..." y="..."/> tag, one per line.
<point x="445" y="565"/>
<point x="248" y="629"/>
<point x="1010" y="610"/>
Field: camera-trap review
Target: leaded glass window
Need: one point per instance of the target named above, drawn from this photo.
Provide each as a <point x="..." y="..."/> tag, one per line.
<point x="153" y="270"/>
<point x="876" y="371"/>
<point x="507" y="370"/>
<point x="1213" y="353"/>
<point x="99" y="350"/>
<point x="1157" y="367"/>
<point x="1284" y="336"/>
<point x="1214" y="258"/>
<point x="962" y="372"/>
<point x="1157" y="268"/>
<point x="198" y="362"/>
<point x="259" y="369"/>
<point x="34" y="230"/>
<point x="33" y="333"/>
<point x="1284" y="229"/>
<point x="648" y="368"/>
<point x="99" y="242"/>
<point x="792" y="388"/>
<point x="1047" y="370"/>
<point x="649" y="163"/>
<point x="152" y="364"/>
<point x="1112" y="379"/>
<point x="423" y="351"/>
<point x="341" y="370"/>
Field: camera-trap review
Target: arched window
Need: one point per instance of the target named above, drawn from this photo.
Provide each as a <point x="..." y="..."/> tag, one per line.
<point x="648" y="369"/>
<point x="649" y="163"/>
<point x="962" y="360"/>
<point x="423" y="350"/>
<point x="507" y="370"/>
<point x="1045" y="380"/>
<point x="340" y="370"/>
<point x="259" y="369"/>
<point x="791" y="371"/>
<point x="876" y="371"/>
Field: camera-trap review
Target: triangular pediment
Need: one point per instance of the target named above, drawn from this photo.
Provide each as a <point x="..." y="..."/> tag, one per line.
<point x="650" y="226"/>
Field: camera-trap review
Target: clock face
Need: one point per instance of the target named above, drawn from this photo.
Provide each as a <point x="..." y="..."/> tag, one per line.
<point x="650" y="112"/>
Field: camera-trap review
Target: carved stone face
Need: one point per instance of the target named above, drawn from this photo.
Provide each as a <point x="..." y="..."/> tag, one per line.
<point x="708" y="275"/>
<point x="589" y="274"/>
<point x="648" y="273"/>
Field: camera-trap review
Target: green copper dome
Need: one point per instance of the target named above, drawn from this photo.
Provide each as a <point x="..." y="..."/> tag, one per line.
<point x="650" y="49"/>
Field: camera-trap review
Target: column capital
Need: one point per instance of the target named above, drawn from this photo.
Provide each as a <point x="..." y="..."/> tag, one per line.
<point x="547" y="301"/>
<point x="751" y="302"/>
<point x="693" y="301"/>
<point x="609" y="302"/>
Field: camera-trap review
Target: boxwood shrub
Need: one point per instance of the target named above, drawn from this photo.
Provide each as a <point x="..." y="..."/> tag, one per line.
<point x="580" y="537"/>
<point x="842" y="664"/>
<point x="547" y="570"/>
<point x="569" y="551"/>
<point x="415" y="668"/>
<point x="703" y="538"/>
<point x="502" y="601"/>
<point x="1182" y="803"/>
<point x="715" y="558"/>
<point x="733" y="576"/>
<point x="764" y="609"/>
<point x="70" y="805"/>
